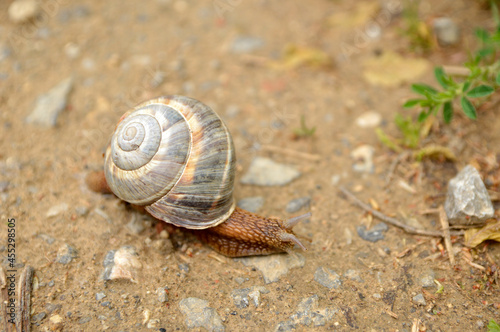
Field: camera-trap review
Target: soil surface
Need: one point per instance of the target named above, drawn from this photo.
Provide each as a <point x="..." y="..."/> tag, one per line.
<point x="230" y="55"/>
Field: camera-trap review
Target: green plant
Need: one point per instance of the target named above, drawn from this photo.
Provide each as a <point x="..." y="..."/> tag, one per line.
<point x="304" y="131"/>
<point x="480" y="78"/>
<point x="416" y="30"/>
<point x="493" y="326"/>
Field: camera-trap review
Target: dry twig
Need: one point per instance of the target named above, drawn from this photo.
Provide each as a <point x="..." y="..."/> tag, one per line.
<point x="393" y="221"/>
<point x="446" y="234"/>
<point x="23" y="322"/>
<point x="291" y="153"/>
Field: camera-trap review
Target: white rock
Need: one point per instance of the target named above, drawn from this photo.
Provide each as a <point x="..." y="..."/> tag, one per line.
<point x="369" y="119"/>
<point x="23" y="10"/>
<point x="266" y="172"/>
<point x="363" y="159"/>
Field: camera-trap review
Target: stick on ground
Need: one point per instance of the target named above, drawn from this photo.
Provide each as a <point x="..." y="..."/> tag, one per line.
<point x="393" y="221"/>
<point x="23" y="321"/>
<point x="446" y="234"/>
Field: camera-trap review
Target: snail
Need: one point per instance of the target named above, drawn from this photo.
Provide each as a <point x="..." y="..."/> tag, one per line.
<point x="174" y="156"/>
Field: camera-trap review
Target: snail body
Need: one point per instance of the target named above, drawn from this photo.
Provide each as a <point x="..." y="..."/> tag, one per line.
<point x="175" y="156"/>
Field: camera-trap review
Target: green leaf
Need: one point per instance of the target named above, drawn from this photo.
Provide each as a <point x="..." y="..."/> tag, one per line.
<point x="466" y="86"/>
<point x="498" y="79"/>
<point x="412" y="102"/>
<point x="423" y="115"/>
<point x="482" y="35"/>
<point x="493" y="326"/>
<point x="423" y="89"/>
<point x="480" y="91"/>
<point x="447" y="112"/>
<point x="468" y="108"/>
<point x="484" y="52"/>
<point x="441" y="77"/>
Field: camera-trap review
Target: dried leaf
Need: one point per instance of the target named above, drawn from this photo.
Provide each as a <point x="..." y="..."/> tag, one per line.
<point x="296" y="56"/>
<point x="391" y="69"/>
<point x="476" y="236"/>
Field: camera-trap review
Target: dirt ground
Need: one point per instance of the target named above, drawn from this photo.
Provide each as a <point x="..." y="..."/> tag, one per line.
<point x="120" y="53"/>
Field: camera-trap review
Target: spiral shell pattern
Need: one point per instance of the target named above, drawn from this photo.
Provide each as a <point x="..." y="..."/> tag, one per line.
<point x="175" y="156"/>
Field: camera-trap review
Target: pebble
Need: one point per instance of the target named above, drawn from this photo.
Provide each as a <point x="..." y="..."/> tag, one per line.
<point x="99" y="296"/>
<point x="307" y="313"/>
<point x="50" y="307"/>
<point x="56" y="210"/>
<point x="266" y="172"/>
<point x="47" y="238"/>
<point x="84" y="320"/>
<point x="21" y="11"/>
<point x="467" y="201"/>
<point x="427" y="279"/>
<point x="246" y="44"/>
<point x="49" y="105"/>
<point x="298" y="203"/>
<point x="447" y="31"/>
<point x="135" y="225"/>
<point x="370" y="119"/>
<point x="251" y="204"/>
<point x="363" y="159"/>
<point x="121" y="264"/>
<point x="66" y="254"/>
<point x="353" y="275"/>
<point x="56" y="323"/>
<point x="376" y="233"/>
<point x="153" y="324"/>
<point x="327" y="277"/>
<point x="419" y="299"/>
<point x="242" y="297"/>
<point x="273" y="267"/>
<point x="39" y="317"/>
<point x="162" y="294"/>
<point x="81" y="210"/>
<point x="199" y="314"/>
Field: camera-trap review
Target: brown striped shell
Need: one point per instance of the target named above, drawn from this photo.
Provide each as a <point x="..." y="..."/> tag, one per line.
<point x="175" y="156"/>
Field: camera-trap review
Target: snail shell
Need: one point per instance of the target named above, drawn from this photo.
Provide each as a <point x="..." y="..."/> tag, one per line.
<point x="175" y="156"/>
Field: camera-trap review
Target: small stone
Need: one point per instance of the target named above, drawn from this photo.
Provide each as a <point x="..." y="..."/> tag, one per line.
<point x="240" y="280"/>
<point x="241" y="297"/>
<point x="376" y="233"/>
<point x="467" y="201"/>
<point x="199" y="314"/>
<point x="162" y="294"/>
<point x="39" y="317"/>
<point x="266" y="172"/>
<point x="49" y="105"/>
<point x="84" y="320"/>
<point x="377" y="296"/>
<point x="105" y="303"/>
<point x="363" y="159"/>
<point x="57" y="210"/>
<point x="135" y="225"/>
<point x="447" y="31"/>
<point x="273" y="267"/>
<point x="47" y="238"/>
<point x="327" y="278"/>
<point x="369" y="119"/>
<point x="21" y="11"/>
<point x="427" y="279"/>
<point x="66" y="254"/>
<point x="246" y="44"/>
<point x="56" y="323"/>
<point x="353" y="275"/>
<point x="72" y="50"/>
<point x="121" y="264"/>
<point x="153" y="324"/>
<point x="307" y="313"/>
<point x="296" y="204"/>
<point x="251" y="204"/>
<point x="480" y="325"/>
<point x="99" y="296"/>
<point x="50" y="307"/>
<point x="81" y="210"/>
<point x="419" y="299"/>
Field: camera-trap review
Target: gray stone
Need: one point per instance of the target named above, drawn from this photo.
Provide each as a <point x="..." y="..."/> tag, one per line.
<point x="47" y="238"/>
<point x="81" y="210"/>
<point x="353" y="275"/>
<point x="376" y="233"/>
<point x="296" y="204"/>
<point x="467" y="201"/>
<point x="199" y="314"/>
<point x="242" y="297"/>
<point x="427" y="279"/>
<point x="266" y="172"/>
<point x="419" y="299"/>
<point x="251" y="204"/>
<point x="162" y="294"/>
<point x="273" y="267"/>
<point x="66" y="254"/>
<point x="327" y="277"/>
<point x="84" y="320"/>
<point x="50" y="307"/>
<point x="121" y="264"/>
<point x="49" y="105"/>
<point x="99" y="296"/>
<point x="307" y="313"/>
<point x="246" y="44"/>
<point x="39" y="317"/>
<point x="447" y="31"/>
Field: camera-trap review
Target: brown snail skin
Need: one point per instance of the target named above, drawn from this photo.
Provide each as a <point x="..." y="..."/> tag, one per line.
<point x="174" y="156"/>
